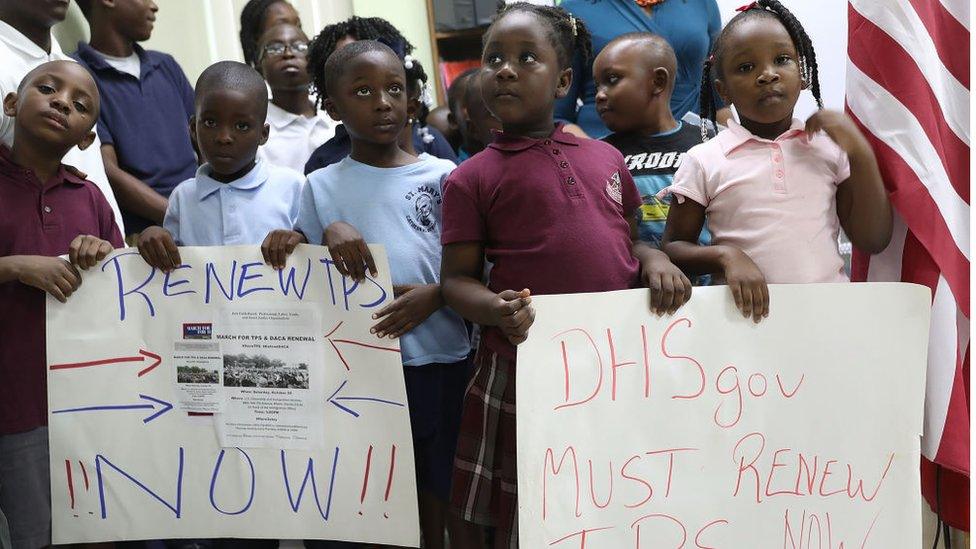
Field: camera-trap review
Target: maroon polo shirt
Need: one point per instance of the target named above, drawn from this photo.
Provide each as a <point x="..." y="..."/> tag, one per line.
<point x="37" y="219"/>
<point x="551" y="213"/>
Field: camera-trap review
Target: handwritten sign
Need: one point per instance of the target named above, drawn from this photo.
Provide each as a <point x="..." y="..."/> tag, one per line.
<point x="314" y="404"/>
<point x="703" y="430"/>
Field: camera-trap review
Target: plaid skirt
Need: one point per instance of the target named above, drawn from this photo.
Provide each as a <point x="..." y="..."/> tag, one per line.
<point x="485" y="483"/>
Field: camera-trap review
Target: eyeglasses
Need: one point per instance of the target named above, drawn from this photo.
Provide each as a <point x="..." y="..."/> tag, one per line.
<point x="275" y="49"/>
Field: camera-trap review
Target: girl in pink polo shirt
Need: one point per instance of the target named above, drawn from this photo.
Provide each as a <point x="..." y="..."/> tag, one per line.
<point x="775" y="190"/>
<point x="554" y="214"/>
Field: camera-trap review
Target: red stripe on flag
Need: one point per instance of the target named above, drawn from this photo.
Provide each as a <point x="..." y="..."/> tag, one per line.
<point x="922" y="216"/>
<point x="948" y="34"/>
<point x="954" y="492"/>
<point x="883" y="60"/>
<point x="917" y="266"/>
<point x="954" y="444"/>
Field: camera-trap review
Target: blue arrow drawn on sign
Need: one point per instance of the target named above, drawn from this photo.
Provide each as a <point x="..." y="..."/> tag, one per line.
<point x="163" y="405"/>
<point x="336" y="399"/>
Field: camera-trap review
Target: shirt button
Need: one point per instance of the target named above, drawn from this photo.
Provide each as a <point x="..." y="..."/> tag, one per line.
<point x="564" y="164"/>
<point x="47" y="209"/>
<point x="779" y="174"/>
<point x="571" y="181"/>
<point x="548" y="142"/>
<point x="777" y="157"/>
<point x="555" y="151"/>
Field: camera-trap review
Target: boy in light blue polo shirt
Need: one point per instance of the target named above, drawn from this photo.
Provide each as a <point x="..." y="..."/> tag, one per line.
<point x="392" y="198"/>
<point x="234" y="198"/>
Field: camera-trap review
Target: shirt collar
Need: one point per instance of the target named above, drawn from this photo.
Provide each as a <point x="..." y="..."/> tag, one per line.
<point x="735" y="135"/>
<point x="207" y="185"/>
<point x="97" y="61"/>
<point x="17" y="40"/>
<point x="16" y="171"/>
<point x="516" y="143"/>
<point x="280" y="118"/>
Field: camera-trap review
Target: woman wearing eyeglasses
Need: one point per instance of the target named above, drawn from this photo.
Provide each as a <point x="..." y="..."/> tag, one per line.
<point x="297" y="127"/>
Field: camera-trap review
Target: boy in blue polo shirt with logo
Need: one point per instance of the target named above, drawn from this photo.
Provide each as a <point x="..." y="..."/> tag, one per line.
<point x="146" y="103"/>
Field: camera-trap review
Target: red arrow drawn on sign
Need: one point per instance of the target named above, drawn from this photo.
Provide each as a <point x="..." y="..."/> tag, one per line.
<point x="143" y="355"/>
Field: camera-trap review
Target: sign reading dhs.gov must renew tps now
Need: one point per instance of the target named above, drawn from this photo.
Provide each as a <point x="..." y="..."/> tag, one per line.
<point x="703" y="430"/>
<point x="228" y="400"/>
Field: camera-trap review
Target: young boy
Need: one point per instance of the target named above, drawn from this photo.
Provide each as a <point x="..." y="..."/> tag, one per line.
<point x="478" y="121"/>
<point x="146" y="102"/>
<point x="26" y="41"/>
<point x="297" y="127"/>
<point x="634" y="76"/>
<point x="394" y="199"/>
<point x="234" y="197"/>
<point x="47" y="212"/>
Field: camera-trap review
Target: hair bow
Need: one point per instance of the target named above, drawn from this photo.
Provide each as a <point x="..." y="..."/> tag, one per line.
<point x="748" y="7"/>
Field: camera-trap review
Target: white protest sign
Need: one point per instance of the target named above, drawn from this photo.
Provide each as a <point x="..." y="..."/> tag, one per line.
<point x="313" y="404"/>
<point x="703" y="430"/>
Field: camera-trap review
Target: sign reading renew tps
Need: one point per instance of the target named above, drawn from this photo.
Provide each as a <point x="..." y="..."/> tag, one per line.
<point x="703" y="430"/>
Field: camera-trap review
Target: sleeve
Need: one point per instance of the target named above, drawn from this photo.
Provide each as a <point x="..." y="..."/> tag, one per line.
<point x="186" y="90"/>
<point x="108" y="228"/>
<point x="628" y="192"/>
<point x="463" y="217"/>
<point x="308" y="222"/>
<point x="171" y="221"/>
<point x="296" y="202"/>
<point x="103" y="131"/>
<point x="566" y="109"/>
<point x="689" y="182"/>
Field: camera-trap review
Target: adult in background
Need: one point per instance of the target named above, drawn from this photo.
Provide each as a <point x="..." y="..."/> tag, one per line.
<point x="257" y="17"/>
<point x="689" y="26"/>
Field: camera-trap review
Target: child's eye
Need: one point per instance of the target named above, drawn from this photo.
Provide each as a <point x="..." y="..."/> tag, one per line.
<point x="209" y="123"/>
<point x="362" y="92"/>
<point x="528" y="58"/>
<point x="613" y="79"/>
<point x="242" y="126"/>
<point x="493" y="58"/>
<point x="45" y="89"/>
<point x="81" y="107"/>
<point x="783" y="59"/>
<point x="745" y="67"/>
<point x="396" y="89"/>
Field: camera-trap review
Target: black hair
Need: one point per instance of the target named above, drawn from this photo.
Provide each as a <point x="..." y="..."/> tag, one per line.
<point x="236" y="76"/>
<point x="801" y="41"/>
<point x="252" y="19"/>
<point x="457" y="88"/>
<point x="361" y="28"/>
<point x="567" y="33"/>
<point x="416" y="81"/>
<point x="335" y="67"/>
<point x="86" y="6"/>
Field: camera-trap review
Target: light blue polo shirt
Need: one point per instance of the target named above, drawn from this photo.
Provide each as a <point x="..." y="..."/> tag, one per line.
<point x="399" y="208"/>
<point x="205" y="212"/>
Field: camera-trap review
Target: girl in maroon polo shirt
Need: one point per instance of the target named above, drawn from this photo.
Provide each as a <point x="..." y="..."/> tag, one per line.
<point x="553" y="214"/>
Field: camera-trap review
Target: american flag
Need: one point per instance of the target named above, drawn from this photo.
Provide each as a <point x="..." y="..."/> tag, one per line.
<point x="908" y="90"/>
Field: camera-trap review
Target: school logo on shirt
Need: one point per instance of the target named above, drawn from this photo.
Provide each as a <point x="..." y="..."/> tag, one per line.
<point x="613" y="188"/>
<point x="423" y="200"/>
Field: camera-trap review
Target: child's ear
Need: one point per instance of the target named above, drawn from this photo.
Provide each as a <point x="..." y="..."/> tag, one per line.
<point x="10" y="104"/>
<point x="565" y="81"/>
<point x="413" y="107"/>
<point x="660" y="80"/>
<point x="330" y="108"/>
<point x="723" y="92"/>
<point x="265" y="132"/>
<point x="87" y="140"/>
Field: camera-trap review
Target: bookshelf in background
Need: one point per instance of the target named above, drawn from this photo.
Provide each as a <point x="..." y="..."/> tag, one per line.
<point x="455" y="28"/>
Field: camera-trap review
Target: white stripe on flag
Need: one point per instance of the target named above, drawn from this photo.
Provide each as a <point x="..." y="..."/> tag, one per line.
<point x="899" y="20"/>
<point x="941" y="369"/>
<point x="885" y="117"/>
<point x="959" y="9"/>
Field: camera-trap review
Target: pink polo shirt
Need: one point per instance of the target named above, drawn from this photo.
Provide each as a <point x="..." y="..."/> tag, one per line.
<point x="551" y="213"/>
<point x="776" y="200"/>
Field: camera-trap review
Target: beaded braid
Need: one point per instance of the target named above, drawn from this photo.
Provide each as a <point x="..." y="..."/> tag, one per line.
<point x="568" y="33"/>
<point x="417" y="86"/>
<point x="360" y="28"/>
<point x="809" y="72"/>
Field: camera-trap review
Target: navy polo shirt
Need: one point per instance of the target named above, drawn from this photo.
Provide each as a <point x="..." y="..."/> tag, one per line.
<point x="340" y="146"/>
<point x="146" y="120"/>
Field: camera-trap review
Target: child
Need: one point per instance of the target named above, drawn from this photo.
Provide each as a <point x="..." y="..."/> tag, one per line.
<point x="394" y="199"/>
<point x="297" y="127"/>
<point x="234" y="198"/>
<point x="417" y="109"/>
<point x="777" y="191"/>
<point x="146" y="103"/>
<point x="333" y="38"/>
<point x="257" y="17"/>
<point x="47" y="212"/>
<point x="554" y="214"/>
<point x="479" y="124"/>
<point x="634" y="77"/>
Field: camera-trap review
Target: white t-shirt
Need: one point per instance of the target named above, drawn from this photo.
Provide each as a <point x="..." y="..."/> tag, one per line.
<point x="129" y="65"/>
<point x="294" y="137"/>
<point x="18" y="56"/>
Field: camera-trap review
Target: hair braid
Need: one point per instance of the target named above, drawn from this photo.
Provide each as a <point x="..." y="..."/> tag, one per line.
<point x="804" y="46"/>
<point x="567" y="33"/>
<point x="706" y="102"/>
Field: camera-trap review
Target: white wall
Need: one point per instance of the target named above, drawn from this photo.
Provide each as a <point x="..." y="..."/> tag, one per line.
<point x="826" y="23"/>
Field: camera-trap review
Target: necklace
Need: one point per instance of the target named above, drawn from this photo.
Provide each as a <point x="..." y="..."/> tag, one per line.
<point x="647" y="3"/>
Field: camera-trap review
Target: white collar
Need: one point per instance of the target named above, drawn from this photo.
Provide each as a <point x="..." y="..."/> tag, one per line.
<point x="280" y="118"/>
<point x="17" y="40"/>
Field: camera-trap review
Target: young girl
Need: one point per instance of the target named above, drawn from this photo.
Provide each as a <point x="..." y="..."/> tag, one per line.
<point x="554" y="214"/>
<point x="257" y="17"/>
<point x="776" y="191"/>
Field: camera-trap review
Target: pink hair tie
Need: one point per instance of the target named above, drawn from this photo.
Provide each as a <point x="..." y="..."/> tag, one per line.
<point x="747" y="7"/>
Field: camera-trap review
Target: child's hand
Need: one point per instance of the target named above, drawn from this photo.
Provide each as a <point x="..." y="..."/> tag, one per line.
<point x="159" y="250"/>
<point x="748" y="285"/>
<point x="87" y="250"/>
<point x="670" y="288"/>
<point x="50" y="274"/>
<point x="278" y="245"/>
<point x="414" y="303"/>
<point x="840" y="128"/>
<point x="349" y="251"/>
<point x="513" y="313"/>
